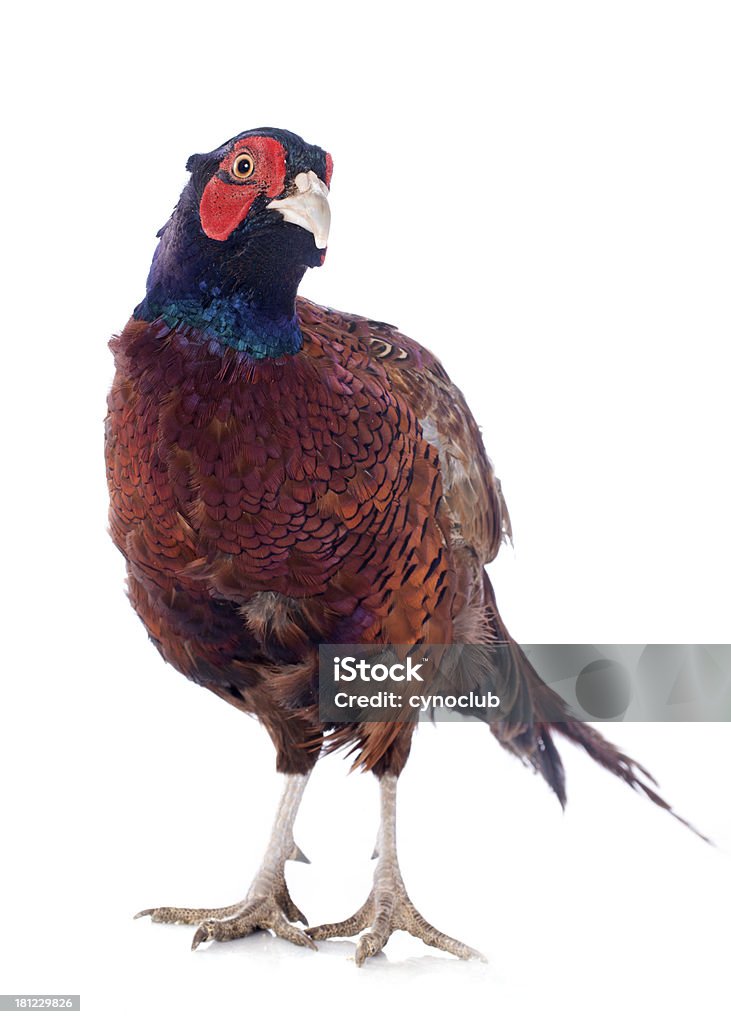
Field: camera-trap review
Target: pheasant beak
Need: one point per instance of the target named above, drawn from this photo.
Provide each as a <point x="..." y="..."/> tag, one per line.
<point x="307" y="206"/>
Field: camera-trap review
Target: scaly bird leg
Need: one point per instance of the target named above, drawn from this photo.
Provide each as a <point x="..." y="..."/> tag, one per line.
<point x="267" y="903"/>
<point x="388" y="907"/>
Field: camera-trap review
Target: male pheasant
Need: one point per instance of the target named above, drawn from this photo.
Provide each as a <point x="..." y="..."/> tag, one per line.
<point x="283" y="475"/>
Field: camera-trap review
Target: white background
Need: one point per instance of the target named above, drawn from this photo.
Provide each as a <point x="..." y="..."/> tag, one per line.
<point x="539" y="192"/>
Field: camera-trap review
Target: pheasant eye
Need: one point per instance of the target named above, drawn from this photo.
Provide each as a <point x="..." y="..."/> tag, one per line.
<point x="243" y="166"/>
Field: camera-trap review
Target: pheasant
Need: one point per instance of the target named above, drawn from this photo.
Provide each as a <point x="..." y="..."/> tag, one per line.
<point x="281" y="476"/>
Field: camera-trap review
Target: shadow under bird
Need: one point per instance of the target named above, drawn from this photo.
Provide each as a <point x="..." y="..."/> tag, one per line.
<point x="283" y="475"/>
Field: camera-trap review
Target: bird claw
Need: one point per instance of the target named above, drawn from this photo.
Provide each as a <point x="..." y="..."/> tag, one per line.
<point x="261" y="913"/>
<point x="389" y="909"/>
<point x="274" y="911"/>
<point x="203" y="933"/>
<point x="368" y="945"/>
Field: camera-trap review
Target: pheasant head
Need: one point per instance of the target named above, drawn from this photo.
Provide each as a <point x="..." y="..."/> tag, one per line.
<point x="252" y="218"/>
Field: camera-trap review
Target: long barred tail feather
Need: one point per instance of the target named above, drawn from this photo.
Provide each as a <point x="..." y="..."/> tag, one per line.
<point x="607" y="755"/>
<point x="530" y="736"/>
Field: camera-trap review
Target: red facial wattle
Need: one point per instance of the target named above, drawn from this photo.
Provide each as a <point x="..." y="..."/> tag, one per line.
<point x="225" y="202"/>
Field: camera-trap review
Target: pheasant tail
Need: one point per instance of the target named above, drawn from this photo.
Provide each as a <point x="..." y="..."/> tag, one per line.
<point x="539" y="713"/>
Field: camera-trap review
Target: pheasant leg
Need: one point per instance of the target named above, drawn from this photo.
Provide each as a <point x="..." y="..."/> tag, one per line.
<point x="268" y="903"/>
<point x="388" y="907"/>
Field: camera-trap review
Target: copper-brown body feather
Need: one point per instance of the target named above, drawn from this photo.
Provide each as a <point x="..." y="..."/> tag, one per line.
<point x="341" y="494"/>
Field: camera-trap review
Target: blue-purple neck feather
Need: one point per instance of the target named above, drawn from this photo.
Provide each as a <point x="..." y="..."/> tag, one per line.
<point x="229" y="320"/>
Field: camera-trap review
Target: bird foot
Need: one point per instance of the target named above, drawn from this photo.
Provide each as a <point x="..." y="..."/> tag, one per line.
<point x="268" y="905"/>
<point x="389" y="909"/>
